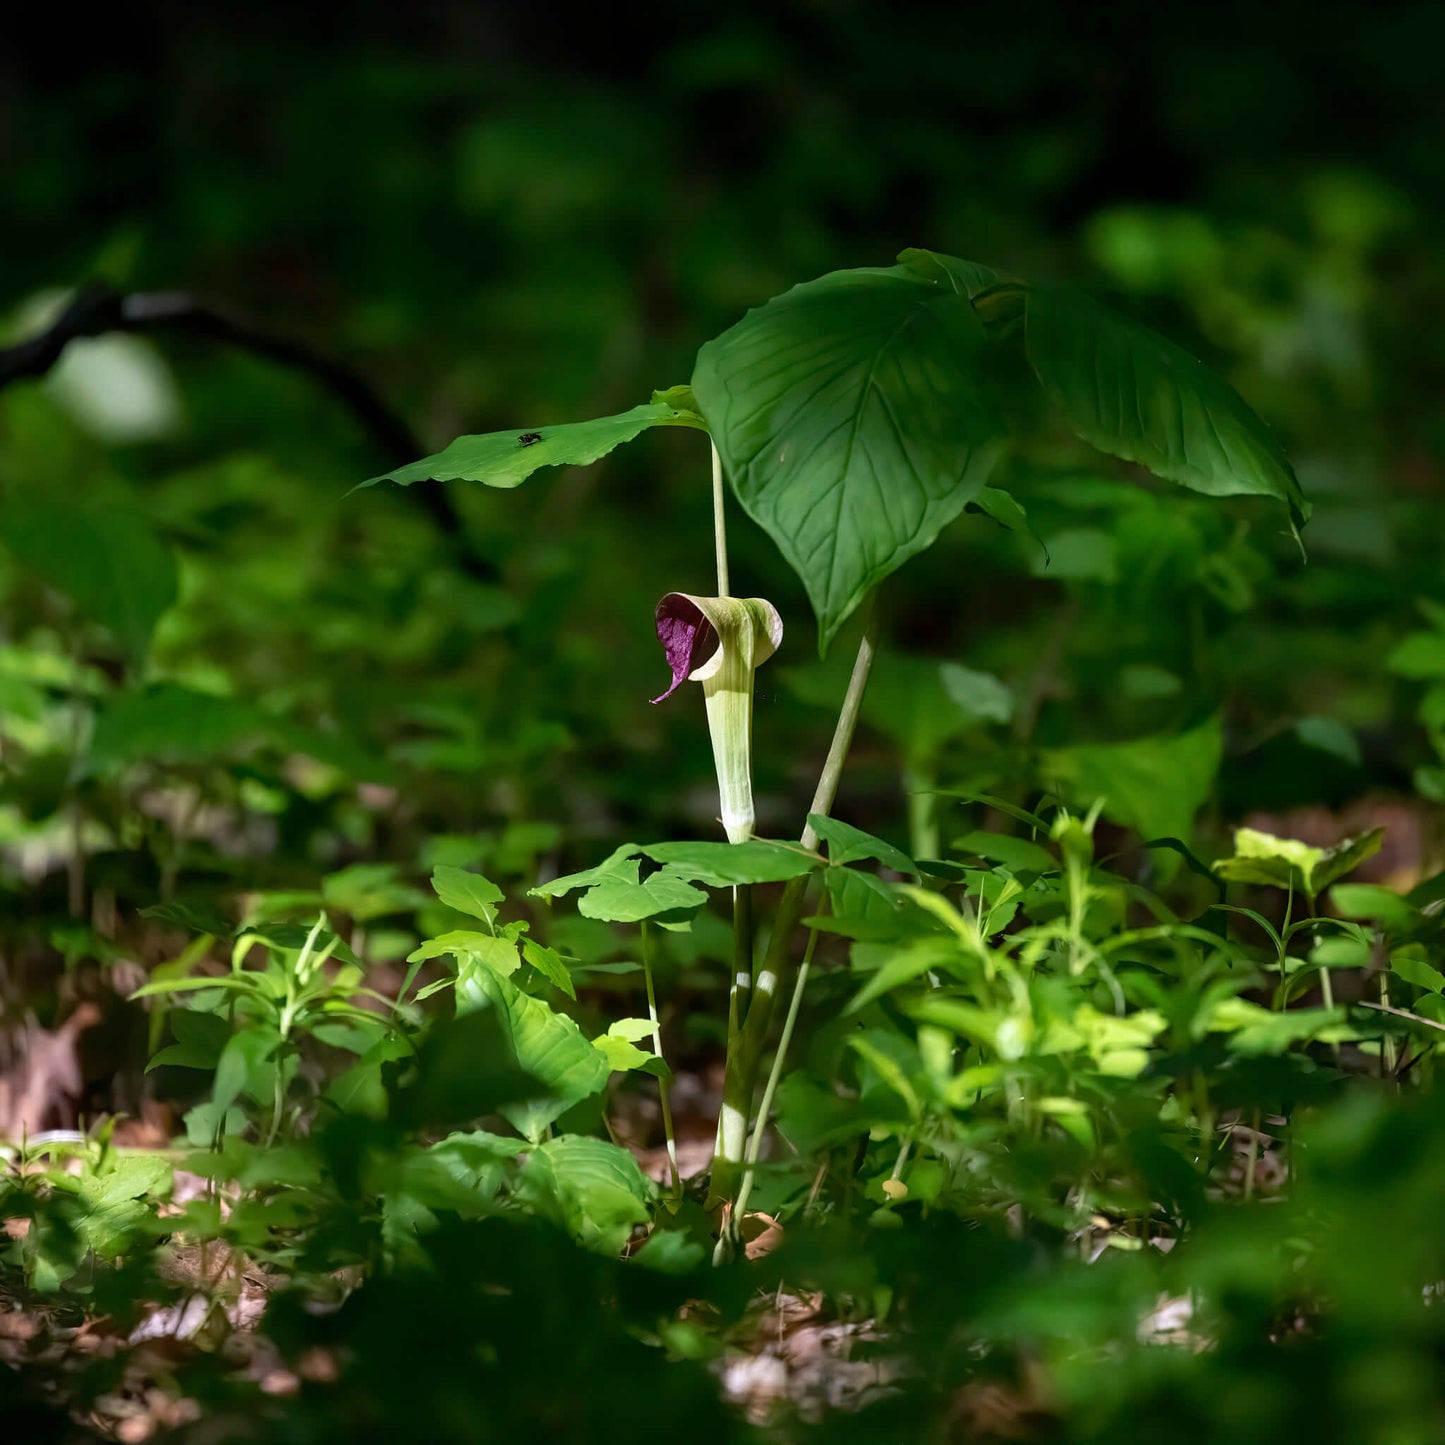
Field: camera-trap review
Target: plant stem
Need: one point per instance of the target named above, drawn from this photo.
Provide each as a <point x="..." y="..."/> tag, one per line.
<point x="744" y="1054"/>
<point x="719" y="521"/>
<point x="774" y="1075"/>
<point x="664" y="1089"/>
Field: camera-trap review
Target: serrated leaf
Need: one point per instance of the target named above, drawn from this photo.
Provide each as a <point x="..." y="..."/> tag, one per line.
<point x="1132" y="394"/>
<point x="508" y="458"/>
<point x="853" y="422"/>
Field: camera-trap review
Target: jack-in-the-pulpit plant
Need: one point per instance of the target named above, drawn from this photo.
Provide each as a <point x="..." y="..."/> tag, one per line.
<point x="735" y="636"/>
<point x="854" y="417"/>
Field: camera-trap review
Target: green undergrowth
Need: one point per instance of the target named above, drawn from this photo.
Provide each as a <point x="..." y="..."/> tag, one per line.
<point x="1031" y="1105"/>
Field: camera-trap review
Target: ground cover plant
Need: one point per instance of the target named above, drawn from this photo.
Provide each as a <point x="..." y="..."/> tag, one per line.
<point x="1032" y="1090"/>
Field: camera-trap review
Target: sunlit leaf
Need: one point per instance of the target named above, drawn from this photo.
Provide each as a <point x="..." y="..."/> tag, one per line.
<point x="853" y="421"/>
<point x="593" y="1189"/>
<point x="549" y="1047"/>
<point x="506" y="459"/>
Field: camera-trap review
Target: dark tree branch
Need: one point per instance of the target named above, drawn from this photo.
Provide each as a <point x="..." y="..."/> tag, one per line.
<point x="95" y="310"/>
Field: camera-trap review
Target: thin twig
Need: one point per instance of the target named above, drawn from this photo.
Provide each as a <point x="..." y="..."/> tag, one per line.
<point x="96" y="310"/>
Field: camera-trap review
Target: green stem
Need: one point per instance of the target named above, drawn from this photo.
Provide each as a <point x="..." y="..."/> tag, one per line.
<point x="664" y="1089"/>
<point x="719" y="522"/>
<point x="744" y="1055"/>
<point x="920" y="781"/>
<point x="774" y="1075"/>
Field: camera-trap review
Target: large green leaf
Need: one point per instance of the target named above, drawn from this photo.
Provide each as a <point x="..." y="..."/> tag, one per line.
<point x="106" y="559"/>
<point x="508" y="458"/>
<point x="853" y="421"/>
<point x="593" y="1189"/>
<point x="1131" y="393"/>
<point x="549" y="1047"/>
<point x="721" y="865"/>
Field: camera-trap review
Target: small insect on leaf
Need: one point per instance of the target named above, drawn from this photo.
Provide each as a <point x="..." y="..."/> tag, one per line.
<point x="529" y="438"/>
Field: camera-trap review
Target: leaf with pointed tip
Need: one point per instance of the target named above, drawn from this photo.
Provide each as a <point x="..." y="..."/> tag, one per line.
<point x="853" y="421"/>
<point x="548" y="962"/>
<point x="547" y="1046"/>
<point x="468" y="893"/>
<point x="1132" y="394"/>
<point x="614" y="864"/>
<point x="847" y="844"/>
<point x="508" y="458"/>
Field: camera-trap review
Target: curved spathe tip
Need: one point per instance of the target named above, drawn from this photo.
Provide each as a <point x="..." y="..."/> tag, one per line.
<point x="688" y="626"/>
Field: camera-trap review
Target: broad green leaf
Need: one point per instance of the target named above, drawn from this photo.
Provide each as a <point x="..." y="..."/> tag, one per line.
<point x="475" y="953"/>
<point x="468" y="893"/>
<point x="1132" y="394"/>
<point x="621" y="1056"/>
<point x="1155" y="785"/>
<point x="108" y="561"/>
<point x="619" y="899"/>
<point x="903" y="967"/>
<point x="847" y="844"/>
<point x="812" y="1116"/>
<point x="966" y="278"/>
<point x="243" y="1061"/>
<point x="632" y="1029"/>
<point x="114" y="1201"/>
<point x="853" y="422"/>
<point x="508" y="458"/>
<point x="722" y="865"/>
<point x="466" y="1068"/>
<point x="862" y="906"/>
<point x="1263" y="859"/>
<point x="1374" y="901"/>
<point x="593" y="1189"/>
<point x="1406" y="963"/>
<point x="550" y="1048"/>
